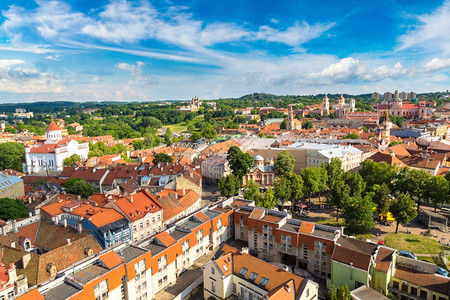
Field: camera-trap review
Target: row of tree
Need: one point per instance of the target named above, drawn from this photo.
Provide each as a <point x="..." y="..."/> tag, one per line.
<point x="376" y="188"/>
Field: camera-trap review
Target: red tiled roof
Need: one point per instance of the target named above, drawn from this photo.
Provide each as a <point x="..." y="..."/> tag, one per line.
<point x="384" y="259"/>
<point x="52" y="126"/>
<point x="306" y="227"/>
<point x="257" y="213"/>
<point x="142" y="204"/>
<point x="111" y="259"/>
<point x="165" y="238"/>
<point x="201" y="216"/>
<point x="432" y="282"/>
<point x="99" y="216"/>
<point x="349" y="256"/>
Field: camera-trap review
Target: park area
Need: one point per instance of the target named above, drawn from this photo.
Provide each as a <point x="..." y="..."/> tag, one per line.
<point x="414" y="241"/>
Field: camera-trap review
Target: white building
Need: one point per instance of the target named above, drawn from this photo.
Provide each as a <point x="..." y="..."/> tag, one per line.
<point x="50" y="155"/>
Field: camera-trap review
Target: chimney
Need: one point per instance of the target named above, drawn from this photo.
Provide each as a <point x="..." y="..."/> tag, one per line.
<point x="25" y="260"/>
<point x="65" y="222"/>
<point x="15" y="226"/>
<point x="80" y="227"/>
<point x="93" y="170"/>
<point x="4" y="230"/>
<point x="68" y="241"/>
<point x="5" y="174"/>
<point x="184" y="191"/>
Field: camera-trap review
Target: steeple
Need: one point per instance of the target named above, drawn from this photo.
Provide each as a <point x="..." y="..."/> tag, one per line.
<point x="325" y="106"/>
<point x="290" y="121"/>
<point x="53" y="132"/>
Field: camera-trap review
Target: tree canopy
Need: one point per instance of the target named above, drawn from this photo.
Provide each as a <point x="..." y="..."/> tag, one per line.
<point x="162" y="158"/>
<point x="229" y="185"/>
<point x="357" y="212"/>
<point x="68" y="161"/>
<point x="284" y="163"/>
<point x="11" y="156"/>
<point x="12" y="209"/>
<point x="79" y="186"/>
<point x="240" y="162"/>
<point x="403" y="210"/>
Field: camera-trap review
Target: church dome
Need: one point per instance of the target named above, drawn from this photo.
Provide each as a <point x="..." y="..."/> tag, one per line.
<point x="52" y="126"/>
<point x="258" y="158"/>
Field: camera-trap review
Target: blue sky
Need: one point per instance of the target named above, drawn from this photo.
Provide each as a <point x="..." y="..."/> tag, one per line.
<point x="153" y="50"/>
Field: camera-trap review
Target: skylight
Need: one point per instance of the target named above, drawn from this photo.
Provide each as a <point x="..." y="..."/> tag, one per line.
<point x="243" y="271"/>
<point x="225" y="268"/>
<point x="253" y="276"/>
<point x="264" y="281"/>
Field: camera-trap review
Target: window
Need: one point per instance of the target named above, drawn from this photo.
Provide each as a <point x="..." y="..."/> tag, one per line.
<point x="413" y="291"/>
<point x="213" y="287"/>
<point x="159" y="217"/>
<point x="234" y="287"/>
<point x="141" y="225"/>
<point x="212" y="270"/>
<point x="253" y="276"/>
<point x="243" y="271"/>
<point x="264" y="281"/>
<point x="147" y="222"/>
<point x="423" y="294"/>
<point x="153" y="219"/>
<point x="396" y="285"/>
<point x="101" y="290"/>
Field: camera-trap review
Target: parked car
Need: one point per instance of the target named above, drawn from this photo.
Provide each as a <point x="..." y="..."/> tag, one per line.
<point x="441" y="271"/>
<point x="213" y="199"/>
<point x="407" y="254"/>
<point x="380" y="243"/>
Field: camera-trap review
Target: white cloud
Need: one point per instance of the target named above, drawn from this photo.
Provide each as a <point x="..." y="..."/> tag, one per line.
<point x="15" y="79"/>
<point x="436" y="64"/>
<point x="138" y="77"/>
<point x="349" y="70"/>
<point x="295" y="35"/>
<point x="432" y="32"/>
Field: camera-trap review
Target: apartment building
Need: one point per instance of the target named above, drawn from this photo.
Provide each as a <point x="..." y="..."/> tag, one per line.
<point x="140" y="271"/>
<point x="11" y="186"/>
<point x="274" y="236"/>
<point x="143" y="211"/>
<point x="236" y="273"/>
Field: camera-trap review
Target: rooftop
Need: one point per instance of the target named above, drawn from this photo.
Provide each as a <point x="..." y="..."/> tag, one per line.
<point x="130" y="253"/>
<point x="85" y="275"/>
<point x="60" y="292"/>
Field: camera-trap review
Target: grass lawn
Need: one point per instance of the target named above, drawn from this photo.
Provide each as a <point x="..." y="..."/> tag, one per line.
<point x="413" y="242"/>
<point x="182" y="126"/>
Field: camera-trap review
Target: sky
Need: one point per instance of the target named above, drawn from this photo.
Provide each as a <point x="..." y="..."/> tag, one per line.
<point x="80" y="50"/>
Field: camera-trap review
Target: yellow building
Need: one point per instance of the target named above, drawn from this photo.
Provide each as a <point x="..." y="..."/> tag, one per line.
<point x="11" y="186"/>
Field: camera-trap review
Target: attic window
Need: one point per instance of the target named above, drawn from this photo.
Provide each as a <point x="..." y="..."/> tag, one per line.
<point x="225" y="268"/>
<point x="264" y="281"/>
<point x="153" y="206"/>
<point x="253" y="276"/>
<point x="243" y="271"/>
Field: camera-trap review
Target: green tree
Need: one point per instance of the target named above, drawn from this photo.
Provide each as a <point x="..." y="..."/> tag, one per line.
<point x="168" y="137"/>
<point x="381" y="198"/>
<point x="355" y="182"/>
<point x="357" y="212"/>
<point x="251" y="192"/>
<point x="151" y="122"/>
<point x="196" y="136"/>
<point x="79" y="186"/>
<point x="163" y="158"/>
<point x="332" y="293"/>
<point x="437" y="190"/>
<point x="284" y="163"/>
<point x="343" y="293"/>
<point x="209" y="133"/>
<point x="402" y="209"/>
<point x="11" y="156"/>
<point x="338" y="195"/>
<point x="377" y="173"/>
<point x="240" y="162"/>
<point x="138" y="144"/>
<point x="269" y="200"/>
<point x="413" y="182"/>
<point x="68" y="161"/>
<point x="334" y="170"/>
<point x="307" y="124"/>
<point x="311" y="180"/>
<point x="289" y="187"/>
<point x="229" y="185"/>
<point x="151" y="140"/>
<point x="12" y="209"/>
<point x="353" y="136"/>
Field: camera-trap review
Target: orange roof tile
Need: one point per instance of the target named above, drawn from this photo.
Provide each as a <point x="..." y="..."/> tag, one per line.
<point x="201" y="216"/>
<point x="99" y="216"/>
<point x="138" y="205"/>
<point x="306" y="227"/>
<point x="111" y="259"/>
<point x="165" y="238"/>
<point x="257" y="213"/>
<point x="31" y="295"/>
<point x="225" y="264"/>
<point x="52" y="126"/>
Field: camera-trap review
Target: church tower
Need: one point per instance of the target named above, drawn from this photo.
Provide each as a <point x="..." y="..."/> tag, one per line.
<point x="385" y="130"/>
<point x="53" y="133"/>
<point x="325" y="106"/>
<point x="290" y="125"/>
<point x="341" y="102"/>
<point x="352" y="105"/>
